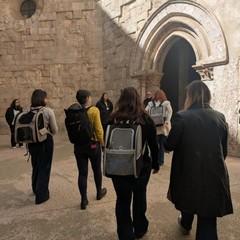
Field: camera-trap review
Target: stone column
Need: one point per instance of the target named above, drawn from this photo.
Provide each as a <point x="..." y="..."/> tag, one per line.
<point x="153" y="80"/>
<point x="206" y="73"/>
<point x="148" y="81"/>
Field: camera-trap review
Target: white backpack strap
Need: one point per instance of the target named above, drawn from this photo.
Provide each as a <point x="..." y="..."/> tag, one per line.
<point x="144" y="147"/>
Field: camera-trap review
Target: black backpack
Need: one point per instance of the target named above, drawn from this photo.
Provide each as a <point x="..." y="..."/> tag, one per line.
<point x="77" y="123"/>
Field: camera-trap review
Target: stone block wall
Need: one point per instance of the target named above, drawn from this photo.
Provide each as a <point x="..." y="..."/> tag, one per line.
<point x="123" y="24"/>
<point x="72" y="44"/>
<point x="58" y="49"/>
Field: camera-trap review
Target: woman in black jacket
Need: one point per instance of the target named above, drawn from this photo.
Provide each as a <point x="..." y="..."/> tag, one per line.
<point x="199" y="182"/>
<point x="10" y="116"/>
<point x="105" y="107"/>
<point x="130" y="108"/>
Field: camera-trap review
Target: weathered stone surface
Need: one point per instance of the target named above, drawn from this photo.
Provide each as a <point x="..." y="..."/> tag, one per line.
<point x="60" y="218"/>
<point x="98" y="45"/>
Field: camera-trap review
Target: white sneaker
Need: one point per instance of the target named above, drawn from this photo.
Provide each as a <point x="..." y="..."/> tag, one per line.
<point x="13" y="147"/>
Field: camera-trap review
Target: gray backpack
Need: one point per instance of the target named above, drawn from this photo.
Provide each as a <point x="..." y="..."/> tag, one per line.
<point x="123" y="151"/>
<point x="158" y="114"/>
<point x="29" y="126"/>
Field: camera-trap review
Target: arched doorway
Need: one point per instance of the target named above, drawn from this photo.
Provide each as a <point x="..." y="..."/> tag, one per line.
<point x="171" y="24"/>
<point x="178" y="72"/>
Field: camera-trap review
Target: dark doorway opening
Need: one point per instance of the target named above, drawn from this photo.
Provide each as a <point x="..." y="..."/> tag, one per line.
<point x="178" y="73"/>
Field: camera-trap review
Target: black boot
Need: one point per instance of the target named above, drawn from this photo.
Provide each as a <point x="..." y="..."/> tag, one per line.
<point x="101" y="193"/>
<point x="84" y="204"/>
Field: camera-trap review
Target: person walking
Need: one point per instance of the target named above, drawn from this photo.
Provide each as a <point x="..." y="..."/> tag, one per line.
<point x="199" y="181"/>
<point x="42" y="152"/>
<point x="90" y="150"/>
<point x="128" y="188"/>
<point x="160" y="99"/>
<point x="10" y="115"/>
<point x="105" y="107"/>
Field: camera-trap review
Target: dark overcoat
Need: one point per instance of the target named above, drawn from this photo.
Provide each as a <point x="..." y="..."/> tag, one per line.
<point x="199" y="181"/>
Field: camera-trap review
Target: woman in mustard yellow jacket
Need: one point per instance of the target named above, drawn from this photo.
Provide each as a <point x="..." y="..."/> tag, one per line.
<point x="90" y="150"/>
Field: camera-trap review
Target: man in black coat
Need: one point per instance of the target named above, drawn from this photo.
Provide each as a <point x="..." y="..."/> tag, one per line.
<point x="199" y="182"/>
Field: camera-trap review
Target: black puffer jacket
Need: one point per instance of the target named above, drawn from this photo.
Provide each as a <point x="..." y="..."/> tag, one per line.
<point x="9" y="115"/>
<point x="199" y="181"/>
<point x="105" y="110"/>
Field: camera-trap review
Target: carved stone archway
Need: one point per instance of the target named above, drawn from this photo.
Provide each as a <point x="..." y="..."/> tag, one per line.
<point x="186" y="19"/>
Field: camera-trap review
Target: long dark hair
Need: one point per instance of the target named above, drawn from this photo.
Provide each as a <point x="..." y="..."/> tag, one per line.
<point x="102" y="97"/>
<point x="13" y="104"/>
<point x="197" y="93"/>
<point x="38" y="98"/>
<point x="129" y="107"/>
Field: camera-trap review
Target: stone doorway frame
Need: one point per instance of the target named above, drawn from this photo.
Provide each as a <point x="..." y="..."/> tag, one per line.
<point x="182" y="18"/>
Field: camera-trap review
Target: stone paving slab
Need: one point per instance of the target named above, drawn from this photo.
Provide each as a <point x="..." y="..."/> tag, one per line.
<point x="60" y="218"/>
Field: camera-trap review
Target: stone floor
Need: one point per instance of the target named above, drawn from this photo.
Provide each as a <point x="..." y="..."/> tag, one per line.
<point x="60" y="218"/>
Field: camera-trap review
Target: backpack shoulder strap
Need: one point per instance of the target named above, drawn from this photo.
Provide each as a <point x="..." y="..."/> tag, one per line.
<point x="88" y="108"/>
<point x="37" y="109"/>
<point x="153" y="103"/>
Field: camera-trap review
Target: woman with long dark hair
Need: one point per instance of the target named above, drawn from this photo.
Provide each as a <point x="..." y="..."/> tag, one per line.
<point x="199" y="182"/>
<point x="105" y="107"/>
<point x="10" y="116"/>
<point x="42" y="152"/>
<point x="128" y="188"/>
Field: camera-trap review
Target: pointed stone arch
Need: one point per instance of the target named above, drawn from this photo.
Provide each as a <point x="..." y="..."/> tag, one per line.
<point x="173" y="20"/>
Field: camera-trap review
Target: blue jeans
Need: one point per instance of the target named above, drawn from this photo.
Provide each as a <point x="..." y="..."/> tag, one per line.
<point x="129" y="188"/>
<point x="13" y="143"/>
<point x="161" y="138"/>
<point x="206" y="226"/>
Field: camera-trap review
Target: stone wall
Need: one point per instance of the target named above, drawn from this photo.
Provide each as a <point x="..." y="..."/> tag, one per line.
<point x="58" y="49"/>
<point x="96" y="44"/>
<point x="124" y="24"/>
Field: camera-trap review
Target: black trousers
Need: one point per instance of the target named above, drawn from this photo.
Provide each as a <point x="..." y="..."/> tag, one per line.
<point x="13" y="143"/>
<point x="41" y="158"/>
<point x="128" y="189"/>
<point x="206" y="226"/>
<point x="83" y="153"/>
